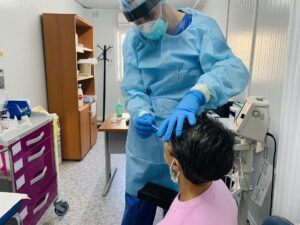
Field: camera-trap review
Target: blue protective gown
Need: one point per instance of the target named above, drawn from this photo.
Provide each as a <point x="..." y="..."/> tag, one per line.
<point x="157" y="74"/>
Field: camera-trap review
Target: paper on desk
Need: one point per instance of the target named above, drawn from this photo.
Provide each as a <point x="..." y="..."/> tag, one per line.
<point x="9" y="200"/>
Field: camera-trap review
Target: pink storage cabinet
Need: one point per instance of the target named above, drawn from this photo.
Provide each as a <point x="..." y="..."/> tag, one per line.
<point x="27" y="165"/>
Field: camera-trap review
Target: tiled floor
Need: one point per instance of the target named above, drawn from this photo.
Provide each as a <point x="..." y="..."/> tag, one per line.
<point x="81" y="184"/>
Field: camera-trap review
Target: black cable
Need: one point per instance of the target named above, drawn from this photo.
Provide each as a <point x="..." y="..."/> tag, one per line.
<point x="273" y="173"/>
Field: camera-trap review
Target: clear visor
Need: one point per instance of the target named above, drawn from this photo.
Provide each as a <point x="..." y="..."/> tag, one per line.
<point x="150" y="10"/>
<point x="153" y="15"/>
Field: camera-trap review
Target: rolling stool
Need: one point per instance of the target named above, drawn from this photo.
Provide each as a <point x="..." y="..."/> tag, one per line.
<point x="276" y="220"/>
<point x="157" y="195"/>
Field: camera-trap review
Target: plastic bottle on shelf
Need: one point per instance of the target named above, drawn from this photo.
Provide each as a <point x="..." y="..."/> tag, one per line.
<point x="76" y="40"/>
<point x="119" y="109"/>
<point x="80" y="96"/>
<point x="15" y="123"/>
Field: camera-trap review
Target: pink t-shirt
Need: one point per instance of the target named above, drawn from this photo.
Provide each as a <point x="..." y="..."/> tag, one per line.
<point x="215" y="206"/>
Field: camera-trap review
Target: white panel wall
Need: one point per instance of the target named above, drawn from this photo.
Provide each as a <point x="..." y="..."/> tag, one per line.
<point x="287" y="198"/>
<point x="241" y="23"/>
<point x="241" y="33"/>
<point x="105" y="23"/>
<point x="21" y="40"/>
<point x="270" y="52"/>
<point x="267" y="73"/>
<point x="217" y="9"/>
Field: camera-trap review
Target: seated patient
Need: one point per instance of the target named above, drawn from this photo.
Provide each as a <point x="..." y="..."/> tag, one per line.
<point x="198" y="160"/>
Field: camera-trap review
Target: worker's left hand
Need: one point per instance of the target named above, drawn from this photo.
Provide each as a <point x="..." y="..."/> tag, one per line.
<point x="188" y="108"/>
<point x="144" y="125"/>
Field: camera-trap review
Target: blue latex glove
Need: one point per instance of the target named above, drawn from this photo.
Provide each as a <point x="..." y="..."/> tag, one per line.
<point x="143" y="125"/>
<point x="188" y="108"/>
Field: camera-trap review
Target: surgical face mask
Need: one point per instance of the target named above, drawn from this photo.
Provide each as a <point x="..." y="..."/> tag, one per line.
<point x="174" y="176"/>
<point x="153" y="30"/>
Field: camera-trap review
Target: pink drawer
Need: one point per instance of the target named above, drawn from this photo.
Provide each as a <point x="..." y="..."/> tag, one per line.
<point x="33" y="157"/>
<point x="30" y="141"/>
<point x="41" y="203"/>
<point x="36" y="137"/>
<point x="37" y="177"/>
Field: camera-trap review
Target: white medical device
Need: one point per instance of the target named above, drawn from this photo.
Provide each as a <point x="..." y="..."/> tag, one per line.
<point x="251" y="126"/>
<point x="253" y="120"/>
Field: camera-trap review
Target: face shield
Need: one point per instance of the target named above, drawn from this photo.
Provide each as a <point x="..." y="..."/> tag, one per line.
<point x="149" y="18"/>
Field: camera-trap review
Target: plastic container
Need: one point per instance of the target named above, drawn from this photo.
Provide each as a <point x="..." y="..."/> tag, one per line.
<point x="89" y="98"/>
<point x="119" y="107"/>
<point x="80" y="96"/>
<point x="85" y="69"/>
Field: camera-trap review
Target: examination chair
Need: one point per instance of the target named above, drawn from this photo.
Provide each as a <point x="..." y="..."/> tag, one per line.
<point x="276" y="220"/>
<point x="161" y="196"/>
<point x="157" y="195"/>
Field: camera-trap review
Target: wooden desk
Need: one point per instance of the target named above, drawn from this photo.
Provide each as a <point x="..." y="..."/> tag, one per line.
<point x="115" y="134"/>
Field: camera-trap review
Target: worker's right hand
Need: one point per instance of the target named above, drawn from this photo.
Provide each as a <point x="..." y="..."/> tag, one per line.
<point x="143" y="125"/>
<point x="187" y="108"/>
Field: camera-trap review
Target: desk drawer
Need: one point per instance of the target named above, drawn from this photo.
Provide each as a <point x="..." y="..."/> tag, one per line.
<point x="37" y="178"/>
<point x="33" y="157"/>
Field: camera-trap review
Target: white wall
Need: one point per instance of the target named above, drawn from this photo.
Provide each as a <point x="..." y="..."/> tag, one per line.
<point x="21" y="40"/>
<point x="287" y="198"/>
<point x="217" y="9"/>
<point x="105" y="22"/>
<point x="267" y="75"/>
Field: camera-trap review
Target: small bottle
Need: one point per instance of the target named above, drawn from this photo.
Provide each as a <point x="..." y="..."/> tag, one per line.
<point x="80" y="96"/>
<point x="119" y="109"/>
<point x="15" y="123"/>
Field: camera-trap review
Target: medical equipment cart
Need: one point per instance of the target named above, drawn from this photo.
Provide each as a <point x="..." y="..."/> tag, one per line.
<point x="27" y="165"/>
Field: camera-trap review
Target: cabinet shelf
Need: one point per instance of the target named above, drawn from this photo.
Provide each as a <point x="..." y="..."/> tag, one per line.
<point x="84" y="77"/>
<point x="86" y="105"/>
<point x="83" y="49"/>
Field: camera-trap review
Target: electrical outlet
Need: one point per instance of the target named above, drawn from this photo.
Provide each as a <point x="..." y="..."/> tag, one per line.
<point x="2" y="85"/>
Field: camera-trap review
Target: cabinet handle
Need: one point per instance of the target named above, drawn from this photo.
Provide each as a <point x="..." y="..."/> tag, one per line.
<point x="39" y="177"/>
<point x="40" y="206"/>
<point x="35" y="140"/>
<point x="37" y="155"/>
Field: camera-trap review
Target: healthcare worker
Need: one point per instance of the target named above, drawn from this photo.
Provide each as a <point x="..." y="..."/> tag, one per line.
<point x="176" y="63"/>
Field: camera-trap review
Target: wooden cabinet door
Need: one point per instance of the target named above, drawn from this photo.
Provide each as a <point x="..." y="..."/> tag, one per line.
<point x="93" y="130"/>
<point x="85" y="132"/>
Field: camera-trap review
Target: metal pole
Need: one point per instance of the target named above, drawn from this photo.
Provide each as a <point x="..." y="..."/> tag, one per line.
<point x="245" y="183"/>
<point x="104" y="82"/>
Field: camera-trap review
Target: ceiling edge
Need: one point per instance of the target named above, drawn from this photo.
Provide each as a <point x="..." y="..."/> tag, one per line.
<point x="84" y="6"/>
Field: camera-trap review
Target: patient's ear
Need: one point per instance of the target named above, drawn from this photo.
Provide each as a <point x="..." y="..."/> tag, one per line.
<point x="176" y="166"/>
